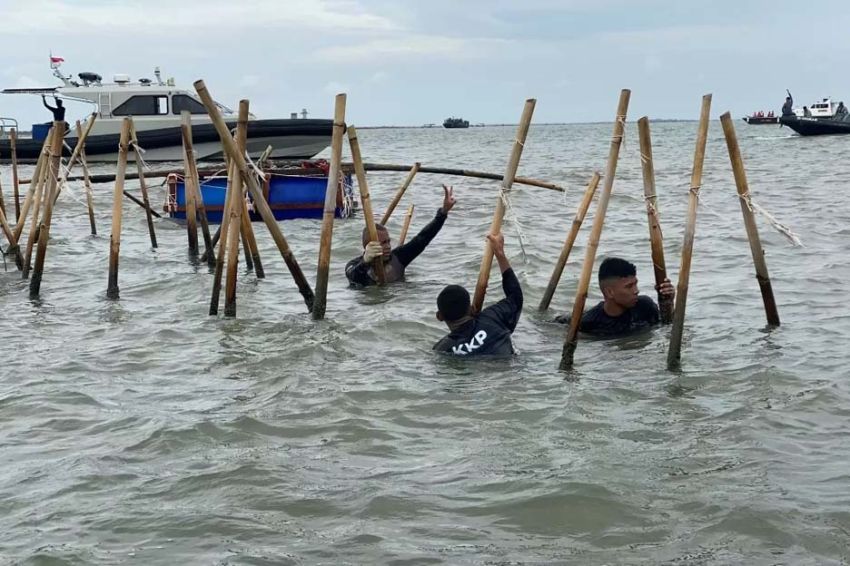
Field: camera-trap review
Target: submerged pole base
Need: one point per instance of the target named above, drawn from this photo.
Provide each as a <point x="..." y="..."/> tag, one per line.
<point x="567" y="355"/>
<point x="665" y="309"/>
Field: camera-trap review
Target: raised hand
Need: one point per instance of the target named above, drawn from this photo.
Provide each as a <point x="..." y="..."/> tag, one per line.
<point x="448" y="199"/>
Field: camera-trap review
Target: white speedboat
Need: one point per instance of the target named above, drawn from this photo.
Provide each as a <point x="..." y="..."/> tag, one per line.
<point x="155" y="106"/>
<point x="824" y="108"/>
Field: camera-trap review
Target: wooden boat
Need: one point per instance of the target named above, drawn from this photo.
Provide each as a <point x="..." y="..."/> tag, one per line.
<point x="291" y="193"/>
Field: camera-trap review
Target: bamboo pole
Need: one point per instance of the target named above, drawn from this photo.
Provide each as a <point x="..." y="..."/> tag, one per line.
<point x="347" y="167"/>
<point x="498" y="215"/>
<point x="399" y="193"/>
<point x="246" y="249"/>
<point x="235" y="212"/>
<point x="38" y="203"/>
<point x="217" y="235"/>
<point x="39" y="176"/>
<point x="191" y="167"/>
<point x="675" y="349"/>
<point x="569" y="241"/>
<point x="330" y="209"/>
<point x="571" y="340"/>
<point x="135" y="200"/>
<point x="75" y="154"/>
<point x="756" y="249"/>
<point x="191" y="211"/>
<point x="2" y="200"/>
<point x="13" y="146"/>
<point x="366" y="201"/>
<point x="659" y="266"/>
<point x="134" y="140"/>
<point x="87" y="183"/>
<point x="459" y="173"/>
<point x="260" y="203"/>
<point x="224" y="229"/>
<point x="252" y="251"/>
<point x="407" y="217"/>
<point x="53" y="187"/>
<point x="13" y="244"/>
<point x="115" y="237"/>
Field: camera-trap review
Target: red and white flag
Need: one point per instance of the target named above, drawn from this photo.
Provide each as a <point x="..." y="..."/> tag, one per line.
<point x="56" y="59"/>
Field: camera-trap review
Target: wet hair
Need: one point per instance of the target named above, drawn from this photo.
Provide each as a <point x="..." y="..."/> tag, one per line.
<point x="615" y="267"/>
<point x="453" y="303"/>
<point x="365" y="236"/>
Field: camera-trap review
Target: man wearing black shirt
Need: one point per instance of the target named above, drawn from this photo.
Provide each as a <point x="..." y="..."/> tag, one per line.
<point x="622" y="311"/>
<point x="359" y="270"/>
<point x="487" y="333"/>
<point x="58" y="111"/>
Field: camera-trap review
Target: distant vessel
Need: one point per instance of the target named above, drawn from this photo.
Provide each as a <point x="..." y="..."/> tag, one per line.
<point x="455" y="123"/>
<point x="759" y="118"/>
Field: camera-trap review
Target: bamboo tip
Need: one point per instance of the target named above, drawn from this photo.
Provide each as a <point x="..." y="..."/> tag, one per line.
<point x="643" y="120"/>
<point x="199" y="85"/>
<point x="725" y="116"/>
<point x="341" y="97"/>
<point x="706" y="96"/>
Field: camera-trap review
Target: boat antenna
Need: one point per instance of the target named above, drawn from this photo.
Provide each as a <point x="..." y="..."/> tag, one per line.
<point x="158" y="77"/>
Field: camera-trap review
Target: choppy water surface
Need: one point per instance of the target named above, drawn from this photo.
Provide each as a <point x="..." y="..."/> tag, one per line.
<point x="144" y="431"/>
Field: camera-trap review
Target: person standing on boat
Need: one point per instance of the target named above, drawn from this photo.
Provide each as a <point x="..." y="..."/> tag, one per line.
<point x="788" y="107"/>
<point x="623" y="310"/>
<point x="359" y="270"/>
<point x="58" y="111"/>
<point x="841" y="111"/>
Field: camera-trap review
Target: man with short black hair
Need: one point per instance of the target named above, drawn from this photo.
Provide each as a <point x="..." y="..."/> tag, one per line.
<point x="487" y="333"/>
<point x="623" y="310"/>
<point x="359" y="270"/>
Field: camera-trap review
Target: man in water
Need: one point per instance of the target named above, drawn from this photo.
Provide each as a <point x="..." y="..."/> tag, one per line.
<point x="359" y="270"/>
<point x="622" y="311"/>
<point x="487" y="333"/>
<point x="58" y="111"/>
<point x="788" y="107"/>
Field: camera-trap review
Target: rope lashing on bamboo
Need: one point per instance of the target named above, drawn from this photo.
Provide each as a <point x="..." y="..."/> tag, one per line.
<point x="511" y="217"/>
<point x="771" y="219"/>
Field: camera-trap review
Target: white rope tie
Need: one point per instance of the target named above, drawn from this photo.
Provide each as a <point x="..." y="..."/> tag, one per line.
<point x="511" y="217"/>
<point x="771" y="219"/>
<point x="139" y="153"/>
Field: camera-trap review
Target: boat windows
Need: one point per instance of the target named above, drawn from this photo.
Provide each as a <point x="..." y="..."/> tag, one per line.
<point x="180" y="102"/>
<point x="144" y="105"/>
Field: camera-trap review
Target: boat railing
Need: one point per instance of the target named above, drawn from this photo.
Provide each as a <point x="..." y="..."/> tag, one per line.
<point x="7" y="124"/>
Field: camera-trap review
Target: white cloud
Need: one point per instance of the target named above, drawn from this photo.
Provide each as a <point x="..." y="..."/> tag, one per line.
<point x="160" y="17"/>
<point x="410" y="46"/>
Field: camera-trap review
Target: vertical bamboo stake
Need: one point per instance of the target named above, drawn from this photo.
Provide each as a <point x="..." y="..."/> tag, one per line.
<point x="115" y="236"/>
<point x="191" y="211"/>
<point x="44" y="227"/>
<point x="252" y="251"/>
<point x="320" y="303"/>
<point x="87" y="183"/>
<point x="191" y="170"/>
<point x="38" y="177"/>
<point x="675" y="349"/>
<point x="366" y="201"/>
<point x="571" y="340"/>
<point x="740" y="173"/>
<point x="2" y="201"/>
<point x="568" y="243"/>
<point x="400" y="193"/>
<point x="13" y="146"/>
<point x="224" y="229"/>
<point x="498" y="215"/>
<point x="75" y="155"/>
<point x="13" y="243"/>
<point x="260" y="203"/>
<point x="235" y="212"/>
<point x="659" y="267"/>
<point x="38" y="203"/>
<point x="142" y="185"/>
<point x="407" y="217"/>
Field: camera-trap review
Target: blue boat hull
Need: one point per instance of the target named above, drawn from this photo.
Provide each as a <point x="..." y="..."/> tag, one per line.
<point x="289" y="197"/>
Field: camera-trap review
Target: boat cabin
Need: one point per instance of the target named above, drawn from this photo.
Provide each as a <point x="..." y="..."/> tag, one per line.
<point x="822" y="109"/>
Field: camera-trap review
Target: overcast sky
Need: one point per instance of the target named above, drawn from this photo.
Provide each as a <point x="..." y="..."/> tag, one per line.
<point x="409" y="62"/>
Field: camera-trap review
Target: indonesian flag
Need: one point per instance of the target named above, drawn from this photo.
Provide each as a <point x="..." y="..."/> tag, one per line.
<point x="55" y="62"/>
